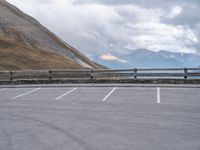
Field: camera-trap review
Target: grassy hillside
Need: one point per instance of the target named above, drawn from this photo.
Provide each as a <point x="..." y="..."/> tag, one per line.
<point x="26" y="44"/>
<point x="17" y="57"/>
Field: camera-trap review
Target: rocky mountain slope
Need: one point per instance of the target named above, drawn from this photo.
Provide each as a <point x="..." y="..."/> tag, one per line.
<point x="26" y="44"/>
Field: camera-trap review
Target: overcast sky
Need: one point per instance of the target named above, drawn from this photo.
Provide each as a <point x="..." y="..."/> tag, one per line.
<point x="117" y="27"/>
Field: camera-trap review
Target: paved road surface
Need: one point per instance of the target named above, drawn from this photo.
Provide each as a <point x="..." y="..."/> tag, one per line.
<point x="99" y="118"/>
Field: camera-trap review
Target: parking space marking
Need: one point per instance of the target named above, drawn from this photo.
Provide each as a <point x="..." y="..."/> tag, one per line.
<point x="158" y="95"/>
<point x="109" y="94"/>
<point x="34" y="90"/>
<point x="66" y="93"/>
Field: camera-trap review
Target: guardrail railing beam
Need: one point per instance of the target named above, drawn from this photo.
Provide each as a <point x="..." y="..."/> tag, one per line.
<point x="171" y="73"/>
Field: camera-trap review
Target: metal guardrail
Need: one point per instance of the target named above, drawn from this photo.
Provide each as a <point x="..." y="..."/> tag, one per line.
<point x="135" y="73"/>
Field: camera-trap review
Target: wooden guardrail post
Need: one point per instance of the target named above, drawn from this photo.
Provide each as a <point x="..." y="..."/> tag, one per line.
<point x="91" y="74"/>
<point x="135" y="73"/>
<point x="11" y="76"/>
<point x="185" y="72"/>
<point x="50" y="75"/>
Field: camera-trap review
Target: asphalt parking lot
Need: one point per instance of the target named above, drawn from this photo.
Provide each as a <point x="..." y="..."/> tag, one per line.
<point x="100" y="118"/>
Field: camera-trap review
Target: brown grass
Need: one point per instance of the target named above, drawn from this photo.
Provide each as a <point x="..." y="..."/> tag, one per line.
<point x="16" y="57"/>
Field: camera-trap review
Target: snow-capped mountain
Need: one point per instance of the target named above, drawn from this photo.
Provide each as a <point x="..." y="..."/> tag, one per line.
<point x="142" y="58"/>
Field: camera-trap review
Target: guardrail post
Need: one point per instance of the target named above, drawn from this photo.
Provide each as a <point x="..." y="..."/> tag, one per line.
<point x="91" y="74"/>
<point x="185" y="71"/>
<point x="50" y="75"/>
<point x="11" y="76"/>
<point x="135" y="73"/>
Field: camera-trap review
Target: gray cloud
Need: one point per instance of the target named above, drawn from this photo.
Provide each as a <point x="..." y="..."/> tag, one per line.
<point x="117" y="27"/>
<point x="189" y="16"/>
<point x="144" y="3"/>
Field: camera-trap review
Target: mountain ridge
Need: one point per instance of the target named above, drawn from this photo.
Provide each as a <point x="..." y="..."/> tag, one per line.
<point x="143" y="58"/>
<point x="24" y="32"/>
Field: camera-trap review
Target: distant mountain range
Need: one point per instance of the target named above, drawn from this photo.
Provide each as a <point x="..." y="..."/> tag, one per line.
<point x="26" y="44"/>
<point x="143" y="58"/>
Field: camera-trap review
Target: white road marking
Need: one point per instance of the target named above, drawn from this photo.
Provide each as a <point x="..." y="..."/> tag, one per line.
<point x="66" y="93"/>
<point x="34" y="90"/>
<point x="158" y="95"/>
<point x="109" y="94"/>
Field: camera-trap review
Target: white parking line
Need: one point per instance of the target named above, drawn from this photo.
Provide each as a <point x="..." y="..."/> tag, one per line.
<point x="34" y="90"/>
<point x="66" y="93"/>
<point x="109" y="94"/>
<point x="158" y="95"/>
